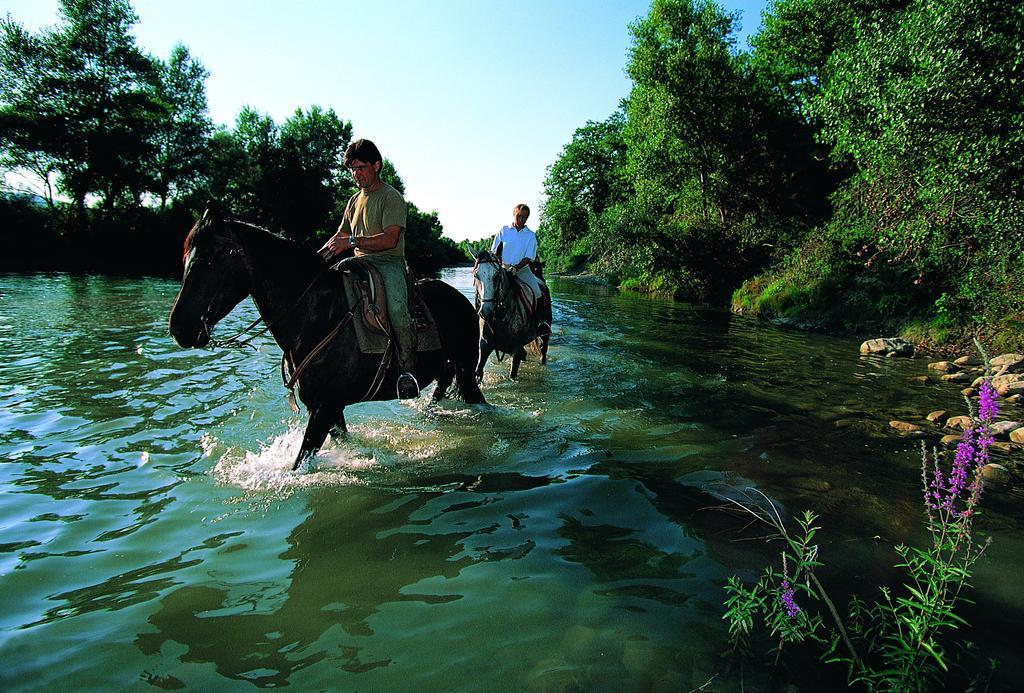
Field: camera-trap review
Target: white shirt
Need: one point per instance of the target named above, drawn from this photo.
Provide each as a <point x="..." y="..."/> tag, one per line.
<point x="517" y="244"/>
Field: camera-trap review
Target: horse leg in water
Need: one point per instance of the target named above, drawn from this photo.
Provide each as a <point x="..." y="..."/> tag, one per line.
<point x="444" y="379"/>
<point x="339" y="427"/>
<point x="517" y="358"/>
<point x="544" y="327"/>
<point x="321" y="420"/>
<point x="485" y="353"/>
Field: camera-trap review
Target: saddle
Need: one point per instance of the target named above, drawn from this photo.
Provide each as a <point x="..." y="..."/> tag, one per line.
<point x="364" y="289"/>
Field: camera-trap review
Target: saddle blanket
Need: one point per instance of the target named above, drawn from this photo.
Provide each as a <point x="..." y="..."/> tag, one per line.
<point x="364" y="290"/>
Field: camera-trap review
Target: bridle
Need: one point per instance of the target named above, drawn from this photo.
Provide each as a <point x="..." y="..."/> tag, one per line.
<point x="287" y="360"/>
<point x="501" y="284"/>
<point x="235" y="341"/>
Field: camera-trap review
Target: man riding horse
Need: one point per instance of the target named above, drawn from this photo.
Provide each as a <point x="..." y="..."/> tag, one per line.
<point x="374" y="226"/>
<point x="516" y="245"/>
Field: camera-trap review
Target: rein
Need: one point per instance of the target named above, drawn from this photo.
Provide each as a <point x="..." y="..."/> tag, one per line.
<point x="234" y="341"/>
<point x="287" y="361"/>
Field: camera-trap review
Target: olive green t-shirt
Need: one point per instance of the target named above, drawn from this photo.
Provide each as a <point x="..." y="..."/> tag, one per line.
<point x="368" y="214"/>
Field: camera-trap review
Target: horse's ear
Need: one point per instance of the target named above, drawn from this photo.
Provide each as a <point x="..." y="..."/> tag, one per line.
<point x="473" y="251"/>
<point x="214" y="211"/>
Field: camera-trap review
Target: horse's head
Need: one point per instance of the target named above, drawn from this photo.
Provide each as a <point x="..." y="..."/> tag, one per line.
<point x="491" y="282"/>
<point x="215" y="280"/>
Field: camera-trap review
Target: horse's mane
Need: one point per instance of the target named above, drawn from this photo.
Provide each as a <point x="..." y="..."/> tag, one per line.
<point x="486" y="256"/>
<point x="256" y="233"/>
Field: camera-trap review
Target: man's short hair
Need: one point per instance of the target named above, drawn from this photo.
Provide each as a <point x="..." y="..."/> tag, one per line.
<point x="522" y="206"/>
<point x="363" y="150"/>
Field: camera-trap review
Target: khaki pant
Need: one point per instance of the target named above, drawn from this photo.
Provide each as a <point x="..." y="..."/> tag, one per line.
<point x="396" y="292"/>
<point x="530" y="280"/>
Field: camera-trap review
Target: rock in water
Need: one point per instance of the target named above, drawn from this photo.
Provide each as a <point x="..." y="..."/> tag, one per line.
<point x="887" y="346"/>
<point x="904" y="427"/>
<point x="1003" y="429"/>
<point x="995" y="473"/>
<point x="959" y="422"/>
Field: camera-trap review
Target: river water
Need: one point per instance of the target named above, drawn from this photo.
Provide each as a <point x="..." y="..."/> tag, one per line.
<point x="566" y="537"/>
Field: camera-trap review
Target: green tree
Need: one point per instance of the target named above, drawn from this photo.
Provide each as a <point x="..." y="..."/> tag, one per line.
<point x="314" y="181"/>
<point x="927" y="104"/>
<point x="78" y="102"/>
<point x="587" y="177"/>
<point x="183" y="130"/>
<point x="682" y="111"/>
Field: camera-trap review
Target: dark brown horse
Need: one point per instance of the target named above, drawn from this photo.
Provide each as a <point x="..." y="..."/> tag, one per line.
<point x="304" y="306"/>
<point x="507" y="324"/>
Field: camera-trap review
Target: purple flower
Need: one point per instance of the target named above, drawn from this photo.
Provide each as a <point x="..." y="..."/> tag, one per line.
<point x="987" y="406"/>
<point x="788" y="601"/>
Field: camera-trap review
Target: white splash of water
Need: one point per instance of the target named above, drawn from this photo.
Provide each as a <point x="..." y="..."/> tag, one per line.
<point x="270" y="468"/>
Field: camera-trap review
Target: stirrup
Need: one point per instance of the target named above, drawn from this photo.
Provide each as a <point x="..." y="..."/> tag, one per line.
<point x="543" y="329"/>
<point x="407" y="386"/>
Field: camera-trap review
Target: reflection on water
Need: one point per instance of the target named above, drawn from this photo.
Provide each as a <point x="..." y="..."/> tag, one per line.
<point x="563" y="537"/>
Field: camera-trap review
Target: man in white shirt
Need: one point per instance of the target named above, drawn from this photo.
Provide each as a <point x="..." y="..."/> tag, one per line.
<point x="518" y="248"/>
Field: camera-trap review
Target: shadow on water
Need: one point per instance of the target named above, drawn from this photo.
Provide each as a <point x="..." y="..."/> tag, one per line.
<point x="343" y="571"/>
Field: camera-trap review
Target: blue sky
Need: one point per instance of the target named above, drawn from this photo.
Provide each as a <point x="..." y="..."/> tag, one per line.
<point x="471" y="99"/>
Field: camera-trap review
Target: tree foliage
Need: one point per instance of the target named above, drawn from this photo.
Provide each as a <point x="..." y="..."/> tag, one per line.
<point x="860" y="167"/>
<point x="87" y="116"/>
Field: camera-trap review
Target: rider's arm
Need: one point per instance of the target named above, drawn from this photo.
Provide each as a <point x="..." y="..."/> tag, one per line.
<point x="386" y="240"/>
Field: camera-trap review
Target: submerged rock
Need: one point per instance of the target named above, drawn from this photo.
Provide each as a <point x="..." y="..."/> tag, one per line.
<point x="950" y="441"/>
<point x="1003" y="429"/>
<point x="904" y="427"/>
<point x="959" y="422"/>
<point x="995" y="473"/>
<point x="887" y="346"/>
<point x="961" y="377"/>
<point x="944" y="366"/>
